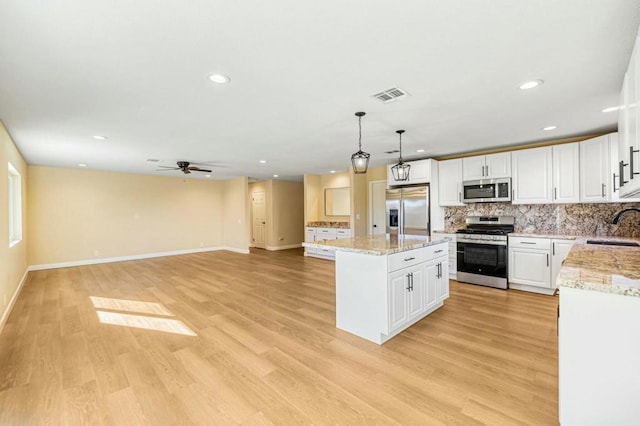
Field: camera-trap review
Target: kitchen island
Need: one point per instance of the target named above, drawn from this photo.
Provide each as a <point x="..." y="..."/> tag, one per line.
<point x="386" y="283"/>
<point x="599" y="335"/>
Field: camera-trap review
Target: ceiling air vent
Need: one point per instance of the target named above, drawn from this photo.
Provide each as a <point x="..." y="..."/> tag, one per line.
<point x="390" y="95"/>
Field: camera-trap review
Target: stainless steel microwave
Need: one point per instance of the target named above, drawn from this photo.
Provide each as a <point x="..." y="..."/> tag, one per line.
<point x="486" y="190"/>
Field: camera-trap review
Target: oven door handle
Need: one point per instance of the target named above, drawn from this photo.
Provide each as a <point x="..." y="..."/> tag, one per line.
<point x="483" y="242"/>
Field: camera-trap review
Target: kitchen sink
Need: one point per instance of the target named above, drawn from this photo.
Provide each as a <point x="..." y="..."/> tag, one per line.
<point x="614" y="243"/>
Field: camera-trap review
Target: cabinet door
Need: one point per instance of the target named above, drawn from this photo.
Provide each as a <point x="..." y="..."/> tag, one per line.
<point x="559" y="251"/>
<point x="431" y="284"/>
<point x="310" y="235"/>
<point x="566" y="176"/>
<point x="443" y="280"/>
<point x="398" y="289"/>
<point x="532" y="170"/>
<point x="595" y="186"/>
<point x="498" y="165"/>
<point x="473" y="168"/>
<point x="450" y="182"/>
<point x="614" y="181"/>
<point x="530" y="267"/>
<point x="417" y="293"/>
<point x="420" y="171"/>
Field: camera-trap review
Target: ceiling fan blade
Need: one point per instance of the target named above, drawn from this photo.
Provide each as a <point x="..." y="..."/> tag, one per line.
<point x="198" y="169"/>
<point x="209" y="164"/>
<point x="167" y="169"/>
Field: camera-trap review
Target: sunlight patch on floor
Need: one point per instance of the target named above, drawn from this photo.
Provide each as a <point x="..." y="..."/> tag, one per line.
<point x="145" y="322"/>
<point x="130" y="306"/>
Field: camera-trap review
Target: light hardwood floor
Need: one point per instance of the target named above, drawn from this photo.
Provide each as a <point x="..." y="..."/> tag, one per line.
<point x="265" y="350"/>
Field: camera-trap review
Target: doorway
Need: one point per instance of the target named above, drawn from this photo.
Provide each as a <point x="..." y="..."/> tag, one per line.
<point x="377" y="196"/>
<point x="259" y="219"/>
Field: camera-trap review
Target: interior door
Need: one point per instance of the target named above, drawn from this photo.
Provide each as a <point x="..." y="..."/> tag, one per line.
<point x="377" y="194"/>
<point x="258" y="213"/>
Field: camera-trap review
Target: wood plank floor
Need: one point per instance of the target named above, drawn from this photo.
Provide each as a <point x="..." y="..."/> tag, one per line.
<point x="226" y="338"/>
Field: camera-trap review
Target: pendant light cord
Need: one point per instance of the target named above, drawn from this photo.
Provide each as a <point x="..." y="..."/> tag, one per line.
<point x="360" y="133"/>
<point x="400" y="148"/>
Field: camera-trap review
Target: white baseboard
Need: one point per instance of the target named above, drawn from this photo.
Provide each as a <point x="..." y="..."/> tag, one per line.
<point x="131" y="257"/>
<point x="290" y="246"/>
<point x="7" y="312"/>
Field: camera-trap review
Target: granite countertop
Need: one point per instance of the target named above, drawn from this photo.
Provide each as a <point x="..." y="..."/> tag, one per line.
<point x="341" y="225"/>
<point x="542" y="235"/>
<point x="377" y="245"/>
<point x="608" y="269"/>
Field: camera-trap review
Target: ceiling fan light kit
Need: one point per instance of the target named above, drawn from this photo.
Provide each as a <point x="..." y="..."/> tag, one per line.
<point x="360" y="159"/>
<point x="401" y="170"/>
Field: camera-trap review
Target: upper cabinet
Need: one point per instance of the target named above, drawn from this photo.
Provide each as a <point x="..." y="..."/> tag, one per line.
<point x="595" y="179"/>
<point x="546" y="175"/>
<point x="487" y="166"/>
<point x="628" y="167"/>
<point x="450" y="182"/>
<point x="532" y="181"/>
<point x="420" y="172"/>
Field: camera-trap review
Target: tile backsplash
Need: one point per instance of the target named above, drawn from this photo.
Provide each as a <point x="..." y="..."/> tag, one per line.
<point x="570" y="219"/>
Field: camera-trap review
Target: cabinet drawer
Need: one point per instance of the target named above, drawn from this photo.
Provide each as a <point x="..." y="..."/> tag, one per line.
<point x="529" y="242"/>
<point x="405" y="259"/>
<point x="343" y="233"/>
<point x="325" y="233"/>
<point x="435" y="251"/>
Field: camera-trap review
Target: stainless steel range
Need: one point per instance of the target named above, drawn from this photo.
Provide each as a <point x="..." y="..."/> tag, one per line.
<point x="482" y="250"/>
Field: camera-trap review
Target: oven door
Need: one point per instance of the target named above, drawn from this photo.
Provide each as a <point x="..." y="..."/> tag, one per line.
<point x="485" y="258"/>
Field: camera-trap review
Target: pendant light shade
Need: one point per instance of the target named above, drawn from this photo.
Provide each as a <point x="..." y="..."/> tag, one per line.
<point x="360" y="160"/>
<point x="401" y="170"/>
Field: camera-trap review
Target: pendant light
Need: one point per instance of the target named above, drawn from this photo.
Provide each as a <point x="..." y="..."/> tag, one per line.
<point x="401" y="170"/>
<point x="360" y="160"/>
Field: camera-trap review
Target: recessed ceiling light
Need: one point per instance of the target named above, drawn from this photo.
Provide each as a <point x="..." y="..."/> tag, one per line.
<point x="332" y="171"/>
<point x="276" y="175"/>
<point x="263" y="161"/>
<point x="611" y="109"/>
<point x="100" y="138"/>
<point x="550" y="128"/>
<point x="207" y="175"/>
<point x="419" y="150"/>
<point x="82" y="165"/>
<point x="219" y="78"/>
<point x="531" y="84"/>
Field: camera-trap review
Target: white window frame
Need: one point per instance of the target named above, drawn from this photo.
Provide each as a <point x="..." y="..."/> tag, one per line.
<point x="15" y="206"/>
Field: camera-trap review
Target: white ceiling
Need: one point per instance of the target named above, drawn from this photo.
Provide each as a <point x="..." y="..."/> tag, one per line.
<point x="137" y="73"/>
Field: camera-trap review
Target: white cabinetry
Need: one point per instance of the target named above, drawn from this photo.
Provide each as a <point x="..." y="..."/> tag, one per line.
<point x="313" y="234"/>
<point x="566" y="176"/>
<point x="452" y="266"/>
<point x="532" y="169"/>
<point x="379" y="296"/>
<point x="487" y="166"/>
<point x="450" y="182"/>
<point x="614" y="180"/>
<point x="420" y="172"/>
<point x="598" y="368"/>
<point x="628" y="128"/>
<point x="595" y="181"/>
<point x="534" y="262"/>
<point x="546" y="175"/>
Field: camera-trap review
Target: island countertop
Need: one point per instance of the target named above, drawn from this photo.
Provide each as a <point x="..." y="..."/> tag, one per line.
<point x="603" y="268"/>
<point x="376" y="245"/>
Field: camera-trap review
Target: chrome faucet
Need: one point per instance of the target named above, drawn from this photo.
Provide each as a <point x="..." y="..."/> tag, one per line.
<point x="618" y="218"/>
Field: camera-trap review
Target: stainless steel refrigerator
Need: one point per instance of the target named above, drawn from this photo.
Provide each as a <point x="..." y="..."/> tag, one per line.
<point x="408" y="210"/>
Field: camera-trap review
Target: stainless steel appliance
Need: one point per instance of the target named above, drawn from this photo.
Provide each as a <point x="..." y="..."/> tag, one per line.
<point x="482" y="250"/>
<point x="408" y="210"/>
<point x="486" y="190"/>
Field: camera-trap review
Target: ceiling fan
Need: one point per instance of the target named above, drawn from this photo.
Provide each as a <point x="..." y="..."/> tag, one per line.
<point x="185" y="167"/>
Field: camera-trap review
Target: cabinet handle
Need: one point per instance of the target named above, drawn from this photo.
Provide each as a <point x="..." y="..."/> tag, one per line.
<point x="631" y="172"/>
<point x="603" y="185"/>
<point x="459" y="196"/>
<point x="408" y="282"/>
<point x="555" y="193"/>
<point x="553" y="246"/>
<point x="409" y="258"/>
<point x="513" y="194"/>
<point x="614" y="183"/>
<point x="438" y="251"/>
<point x="547" y="259"/>
<point x="487" y="174"/>
<point x="528" y="242"/>
<point x="621" y="166"/>
<point x="412" y="281"/>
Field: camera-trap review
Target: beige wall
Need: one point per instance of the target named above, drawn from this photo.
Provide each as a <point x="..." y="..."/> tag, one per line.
<point x="81" y="215"/>
<point x="359" y="203"/>
<point x="236" y="231"/>
<point x="13" y="260"/>
<point x="314" y="186"/>
<point x="284" y="204"/>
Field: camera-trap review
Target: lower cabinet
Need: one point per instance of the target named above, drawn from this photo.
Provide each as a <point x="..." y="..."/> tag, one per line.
<point x="313" y="234"/>
<point x="452" y="265"/>
<point x="534" y="263"/>
<point x="379" y="296"/>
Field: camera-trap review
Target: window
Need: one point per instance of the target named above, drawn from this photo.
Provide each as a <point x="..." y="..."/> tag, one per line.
<point x="15" y="206"/>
